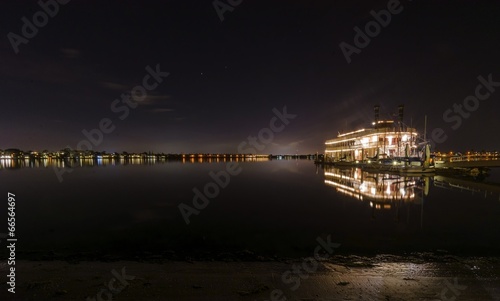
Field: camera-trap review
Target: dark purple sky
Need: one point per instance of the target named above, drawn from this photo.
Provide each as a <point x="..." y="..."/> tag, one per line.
<point x="226" y="77"/>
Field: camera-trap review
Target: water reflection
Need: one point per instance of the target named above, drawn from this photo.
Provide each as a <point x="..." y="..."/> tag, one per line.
<point x="380" y="191"/>
<point x="383" y="188"/>
<point x="29" y="162"/>
<point x="273" y="207"/>
<point x="398" y="194"/>
<point x="484" y="188"/>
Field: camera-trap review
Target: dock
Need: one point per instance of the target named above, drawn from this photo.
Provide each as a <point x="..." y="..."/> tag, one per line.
<point x="465" y="162"/>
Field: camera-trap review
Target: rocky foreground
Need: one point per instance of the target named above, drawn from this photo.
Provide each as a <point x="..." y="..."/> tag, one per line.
<point x="382" y="277"/>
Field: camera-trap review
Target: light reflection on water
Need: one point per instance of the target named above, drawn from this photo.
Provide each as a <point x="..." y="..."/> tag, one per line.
<point x="272" y="207"/>
<point x="7" y="163"/>
<point x="386" y="187"/>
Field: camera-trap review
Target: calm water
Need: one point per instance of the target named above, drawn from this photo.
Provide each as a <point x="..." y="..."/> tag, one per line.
<point x="270" y="208"/>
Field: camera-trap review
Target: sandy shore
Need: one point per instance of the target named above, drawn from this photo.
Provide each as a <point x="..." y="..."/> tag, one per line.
<point x="339" y="278"/>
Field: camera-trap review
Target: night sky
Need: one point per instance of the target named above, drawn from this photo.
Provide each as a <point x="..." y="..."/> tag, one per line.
<point x="226" y="77"/>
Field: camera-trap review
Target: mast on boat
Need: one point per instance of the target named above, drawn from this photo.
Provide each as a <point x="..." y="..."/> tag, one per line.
<point x="425" y="128"/>
<point x="400" y="128"/>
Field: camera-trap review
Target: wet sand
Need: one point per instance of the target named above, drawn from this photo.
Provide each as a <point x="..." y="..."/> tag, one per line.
<point x="338" y="278"/>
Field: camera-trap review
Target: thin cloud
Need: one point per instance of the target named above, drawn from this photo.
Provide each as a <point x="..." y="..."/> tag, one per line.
<point x="115" y="86"/>
<point x="154" y="99"/>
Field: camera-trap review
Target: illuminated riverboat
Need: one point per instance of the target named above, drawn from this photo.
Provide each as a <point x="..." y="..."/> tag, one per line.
<point x="386" y="139"/>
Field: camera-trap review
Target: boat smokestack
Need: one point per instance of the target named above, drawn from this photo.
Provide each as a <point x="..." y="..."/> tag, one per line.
<point x="401" y="109"/>
<point x="376" y="109"/>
